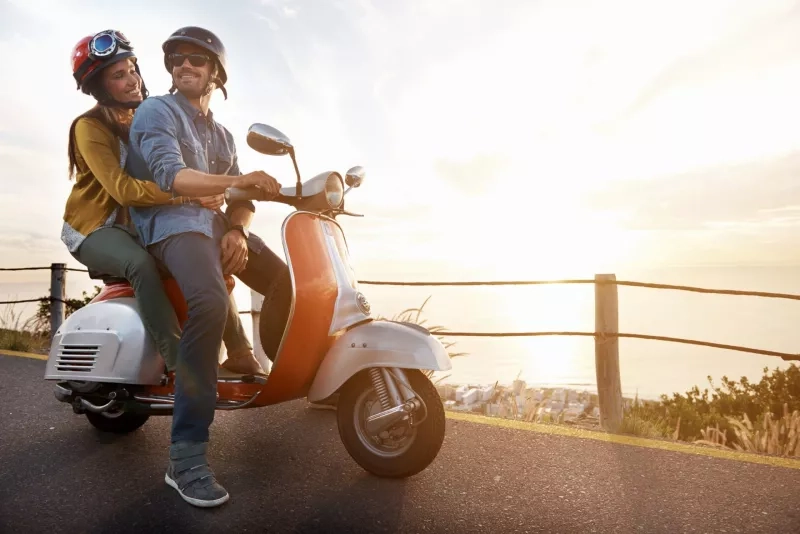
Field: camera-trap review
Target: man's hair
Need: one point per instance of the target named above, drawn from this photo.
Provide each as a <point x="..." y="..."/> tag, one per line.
<point x="214" y="74"/>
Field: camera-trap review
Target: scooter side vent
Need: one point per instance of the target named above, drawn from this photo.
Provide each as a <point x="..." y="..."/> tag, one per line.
<point x="77" y="358"/>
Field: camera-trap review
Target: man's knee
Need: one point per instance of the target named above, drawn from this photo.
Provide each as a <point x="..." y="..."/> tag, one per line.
<point x="210" y="304"/>
<point x="193" y="260"/>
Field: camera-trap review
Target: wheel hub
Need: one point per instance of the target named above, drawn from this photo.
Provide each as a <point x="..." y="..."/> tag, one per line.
<point x="390" y="442"/>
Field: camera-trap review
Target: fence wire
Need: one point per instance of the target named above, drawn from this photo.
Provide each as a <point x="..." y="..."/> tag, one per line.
<point x="601" y="337"/>
<point x="651" y="285"/>
<point x="72" y="269"/>
<point x="40" y="299"/>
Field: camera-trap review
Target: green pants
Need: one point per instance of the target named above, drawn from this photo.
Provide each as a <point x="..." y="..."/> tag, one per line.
<point x="117" y="253"/>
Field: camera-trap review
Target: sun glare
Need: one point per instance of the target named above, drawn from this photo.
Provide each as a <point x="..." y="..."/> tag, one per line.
<point x="543" y="240"/>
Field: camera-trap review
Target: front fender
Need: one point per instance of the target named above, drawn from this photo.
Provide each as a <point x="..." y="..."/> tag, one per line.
<point x="377" y="344"/>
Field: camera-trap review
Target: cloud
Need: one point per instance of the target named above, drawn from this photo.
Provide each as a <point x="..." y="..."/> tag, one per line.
<point x="270" y="22"/>
<point x="746" y="193"/>
<point x="476" y="175"/>
<point x="749" y="48"/>
<point x="450" y="105"/>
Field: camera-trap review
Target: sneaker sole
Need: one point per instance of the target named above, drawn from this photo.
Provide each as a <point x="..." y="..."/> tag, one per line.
<point x="192" y="501"/>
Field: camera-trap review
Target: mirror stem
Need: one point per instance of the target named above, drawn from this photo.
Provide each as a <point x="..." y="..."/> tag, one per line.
<point x="296" y="170"/>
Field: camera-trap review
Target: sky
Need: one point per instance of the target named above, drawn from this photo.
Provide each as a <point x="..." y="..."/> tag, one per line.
<point x="595" y="135"/>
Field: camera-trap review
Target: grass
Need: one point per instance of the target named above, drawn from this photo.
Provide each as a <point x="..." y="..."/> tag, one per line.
<point x="19" y="335"/>
<point x="771" y="435"/>
<point x="639" y="420"/>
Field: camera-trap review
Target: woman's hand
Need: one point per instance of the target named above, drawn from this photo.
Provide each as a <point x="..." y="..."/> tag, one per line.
<point x="211" y="202"/>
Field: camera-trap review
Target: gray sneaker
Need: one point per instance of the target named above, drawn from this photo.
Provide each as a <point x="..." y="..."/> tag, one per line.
<point x="189" y="473"/>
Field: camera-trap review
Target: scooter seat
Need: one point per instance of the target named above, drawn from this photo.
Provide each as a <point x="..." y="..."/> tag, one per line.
<point x="122" y="288"/>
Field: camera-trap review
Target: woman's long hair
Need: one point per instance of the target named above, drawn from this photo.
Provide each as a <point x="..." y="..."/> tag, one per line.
<point x="117" y="120"/>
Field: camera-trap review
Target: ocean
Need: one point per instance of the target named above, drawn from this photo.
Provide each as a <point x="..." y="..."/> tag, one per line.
<point x="648" y="368"/>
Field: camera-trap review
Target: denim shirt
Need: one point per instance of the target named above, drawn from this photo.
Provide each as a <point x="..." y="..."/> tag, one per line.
<point x="169" y="134"/>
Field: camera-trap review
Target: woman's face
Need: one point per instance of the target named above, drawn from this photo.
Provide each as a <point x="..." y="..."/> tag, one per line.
<point x="122" y="82"/>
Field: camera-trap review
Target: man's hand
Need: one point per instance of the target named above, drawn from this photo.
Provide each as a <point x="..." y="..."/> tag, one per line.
<point x="267" y="185"/>
<point x="234" y="252"/>
<point x="211" y="202"/>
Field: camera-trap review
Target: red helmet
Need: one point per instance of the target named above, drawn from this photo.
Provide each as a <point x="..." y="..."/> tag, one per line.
<point x="95" y="52"/>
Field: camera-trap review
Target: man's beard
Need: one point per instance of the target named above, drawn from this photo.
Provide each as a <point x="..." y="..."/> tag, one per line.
<point x="195" y="90"/>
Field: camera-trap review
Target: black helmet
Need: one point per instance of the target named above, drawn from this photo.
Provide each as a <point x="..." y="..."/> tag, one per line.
<point x="202" y="38"/>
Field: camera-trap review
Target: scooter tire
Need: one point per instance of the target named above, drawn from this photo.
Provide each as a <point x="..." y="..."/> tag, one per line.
<point x="427" y="442"/>
<point x="121" y="424"/>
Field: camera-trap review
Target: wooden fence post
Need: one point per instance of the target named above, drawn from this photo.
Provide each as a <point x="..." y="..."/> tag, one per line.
<point x="256" y="301"/>
<point x="606" y="352"/>
<point x="58" y="294"/>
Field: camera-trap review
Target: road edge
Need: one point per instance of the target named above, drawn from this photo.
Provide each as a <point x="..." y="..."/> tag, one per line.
<point x="17" y="354"/>
<point x="621" y="439"/>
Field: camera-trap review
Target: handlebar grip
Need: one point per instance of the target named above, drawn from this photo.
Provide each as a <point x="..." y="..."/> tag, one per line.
<point x="233" y="194"/>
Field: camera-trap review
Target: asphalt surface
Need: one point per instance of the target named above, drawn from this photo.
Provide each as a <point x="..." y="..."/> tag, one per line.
<point x="287" y="471"/>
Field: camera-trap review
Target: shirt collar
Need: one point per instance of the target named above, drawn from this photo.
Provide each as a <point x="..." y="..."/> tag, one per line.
<point x="192" y="111"/>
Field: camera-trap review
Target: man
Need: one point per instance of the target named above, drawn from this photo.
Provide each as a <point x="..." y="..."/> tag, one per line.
<point x="175" y="142"/>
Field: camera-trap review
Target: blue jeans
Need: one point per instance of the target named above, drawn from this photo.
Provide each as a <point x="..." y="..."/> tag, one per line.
<point x="193" y="259"/>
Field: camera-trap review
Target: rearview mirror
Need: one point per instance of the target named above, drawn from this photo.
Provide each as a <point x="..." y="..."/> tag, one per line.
<point x="268" y="140"/>
<point x="354" y="176"/>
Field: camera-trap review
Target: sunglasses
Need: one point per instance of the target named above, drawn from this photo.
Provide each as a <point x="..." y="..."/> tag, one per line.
<point x="195" y="60"/>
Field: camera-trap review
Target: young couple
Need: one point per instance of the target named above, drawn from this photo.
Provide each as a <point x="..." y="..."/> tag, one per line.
<point x="149" y="177"/>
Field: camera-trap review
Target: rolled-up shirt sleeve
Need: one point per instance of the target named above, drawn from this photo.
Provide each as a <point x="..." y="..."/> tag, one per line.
<point x="234" y="171"/>
<point x="153" y="135"/>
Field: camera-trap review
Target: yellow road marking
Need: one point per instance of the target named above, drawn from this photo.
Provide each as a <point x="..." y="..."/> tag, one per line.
<point x="4" y="352"/>
<point x="674" y="446"/>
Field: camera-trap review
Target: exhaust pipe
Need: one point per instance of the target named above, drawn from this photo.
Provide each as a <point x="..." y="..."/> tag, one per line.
<point x="97" y="409"/>
<point x="63" y="394"/>
<point x="85" y="404"/>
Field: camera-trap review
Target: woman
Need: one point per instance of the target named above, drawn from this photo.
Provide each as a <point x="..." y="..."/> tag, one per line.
<point x="97" y="229"/>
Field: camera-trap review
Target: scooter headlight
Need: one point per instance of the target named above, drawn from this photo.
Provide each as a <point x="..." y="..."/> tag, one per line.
<point x="334" y="190"/>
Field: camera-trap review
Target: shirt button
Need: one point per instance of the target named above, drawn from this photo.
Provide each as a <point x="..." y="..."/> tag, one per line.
<point x="212" y="161"/>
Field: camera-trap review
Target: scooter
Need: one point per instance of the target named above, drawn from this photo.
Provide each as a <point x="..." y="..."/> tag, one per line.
<point x="390" y="416"/>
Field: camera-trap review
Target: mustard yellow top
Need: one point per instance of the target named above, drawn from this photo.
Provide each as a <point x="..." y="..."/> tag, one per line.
<point x="102" y="186"/>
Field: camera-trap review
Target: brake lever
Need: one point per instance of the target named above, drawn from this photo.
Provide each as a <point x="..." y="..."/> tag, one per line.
<point x="343" y="212"/>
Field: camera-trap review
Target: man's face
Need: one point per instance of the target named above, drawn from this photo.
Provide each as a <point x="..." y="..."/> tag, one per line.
<point x="189" y="79"/>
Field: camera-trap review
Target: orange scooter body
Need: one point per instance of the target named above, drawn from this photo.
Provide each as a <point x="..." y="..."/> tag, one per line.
<point x="307" y="336"/>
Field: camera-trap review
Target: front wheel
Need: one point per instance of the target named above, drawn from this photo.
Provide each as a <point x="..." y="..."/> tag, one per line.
<point x="402" y="450"/>
<point x="117" y="422"/>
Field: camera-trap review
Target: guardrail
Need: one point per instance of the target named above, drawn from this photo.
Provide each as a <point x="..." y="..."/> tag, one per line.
<point x="606" y="334"/>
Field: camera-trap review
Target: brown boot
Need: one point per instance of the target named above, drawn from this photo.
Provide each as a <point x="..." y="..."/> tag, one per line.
<point x="243" y="363"/>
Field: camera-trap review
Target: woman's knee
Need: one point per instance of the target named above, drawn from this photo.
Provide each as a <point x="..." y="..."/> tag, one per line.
<point x="140" y="265"/>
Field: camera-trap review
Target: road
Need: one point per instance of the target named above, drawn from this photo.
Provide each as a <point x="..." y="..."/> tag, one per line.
<point x="287" y="471"/>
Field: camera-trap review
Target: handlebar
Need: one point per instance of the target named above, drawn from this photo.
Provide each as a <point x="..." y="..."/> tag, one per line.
<point x="233" y="194"/>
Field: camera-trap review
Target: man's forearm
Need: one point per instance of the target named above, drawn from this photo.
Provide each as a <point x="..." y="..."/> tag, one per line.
<point x="241" y="216"/>
<point x="192" y="183"/>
